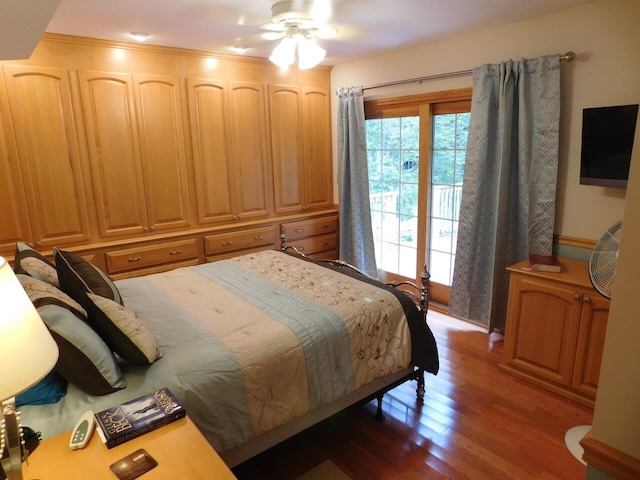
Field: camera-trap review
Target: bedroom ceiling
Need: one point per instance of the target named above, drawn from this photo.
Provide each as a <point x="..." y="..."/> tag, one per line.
<point x="364" y="27"/>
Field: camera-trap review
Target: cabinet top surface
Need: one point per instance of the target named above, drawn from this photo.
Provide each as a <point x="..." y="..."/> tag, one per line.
<point x="575" y="272"/>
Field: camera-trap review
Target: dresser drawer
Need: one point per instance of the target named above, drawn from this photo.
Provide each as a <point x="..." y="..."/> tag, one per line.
<point x="152" y="255"/>
<point x="320" y="243"/>
<point x="309" y="228"/>
<point x="242" y="240"/>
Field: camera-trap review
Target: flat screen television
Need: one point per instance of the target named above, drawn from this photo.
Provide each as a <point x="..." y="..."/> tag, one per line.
<point x="607" y="142"/>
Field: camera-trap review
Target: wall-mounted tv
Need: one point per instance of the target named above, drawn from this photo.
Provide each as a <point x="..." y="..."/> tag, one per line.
<point x="607" y="142"/>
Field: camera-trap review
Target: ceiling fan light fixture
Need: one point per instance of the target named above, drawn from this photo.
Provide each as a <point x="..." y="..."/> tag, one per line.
<point x="139" y="36"/>
<point x="310" y="53"/>
<point x="285" y="53"/>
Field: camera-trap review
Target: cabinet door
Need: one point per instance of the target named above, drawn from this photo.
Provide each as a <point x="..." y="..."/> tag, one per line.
<point x="593" y="326"/>
<point x="47" y="143"/>
<point x="164" y="165"/>
<point x="317" y="143"/>
<point x="14" y="226"/>
<point x="252" y="171"/>
<point x="542" y="325"/>
<point x="114" y="152"/>
<point x="209" y="120"/>
<point x="287" y="147"/>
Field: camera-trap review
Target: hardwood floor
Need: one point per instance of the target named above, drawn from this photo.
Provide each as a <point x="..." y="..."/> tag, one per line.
<point x="476" y="423"/>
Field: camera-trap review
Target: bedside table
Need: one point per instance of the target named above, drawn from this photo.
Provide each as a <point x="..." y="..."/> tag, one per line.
<point x="179" y="448"/>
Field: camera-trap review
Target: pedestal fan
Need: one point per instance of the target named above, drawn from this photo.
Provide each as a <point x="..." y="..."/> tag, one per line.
<point x="602" y="271"/>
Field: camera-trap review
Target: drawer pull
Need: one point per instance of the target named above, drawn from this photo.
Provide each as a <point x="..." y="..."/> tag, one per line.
<point x="259" y="237"/>
<point x="324" y="244"/>
<point x="134" y="259"/>
<point x="587" y="300"/>
<point x="299" y="230"/>
<point x="175" y="252"/>
<point x="227" y="244"/>
<point x="324" y="225"/>
<point x="577" y="296"/>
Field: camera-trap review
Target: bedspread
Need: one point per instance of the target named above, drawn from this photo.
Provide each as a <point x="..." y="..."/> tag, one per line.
<point x="253" y="342"/>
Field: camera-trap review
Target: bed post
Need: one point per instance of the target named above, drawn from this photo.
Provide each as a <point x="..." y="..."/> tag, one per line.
<point x="424" y="307"/>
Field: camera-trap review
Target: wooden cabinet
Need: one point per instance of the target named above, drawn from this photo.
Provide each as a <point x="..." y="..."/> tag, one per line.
<point x="238" y="242"/>
<point x="49" y="174"/>
<point x="137" y="152"/>
<point x="154" y="257"/>
<point x="301" y="148"/>
<point x="229" y="150"/>
<point x="556" y="323"/>
<point x="315" y="237"/>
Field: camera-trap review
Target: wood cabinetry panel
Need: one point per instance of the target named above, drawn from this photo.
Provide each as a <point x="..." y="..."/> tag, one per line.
<point x="240" y="240"/>
<point x="14" y="226"/>
<point x="47" y="143"/>
<point x="151" y="255"/>
<point x="159" y="109"/>
<point x="114" y="152"/>
<point x="249" y="144"/>
<point x="310" y="227"/>
<point x="317" y="125"/>
<point x="209" y="115"/>
<point x="287" y="147"/>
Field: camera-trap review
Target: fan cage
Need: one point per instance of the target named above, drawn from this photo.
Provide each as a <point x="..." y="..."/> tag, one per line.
<point x="603" y="260"/>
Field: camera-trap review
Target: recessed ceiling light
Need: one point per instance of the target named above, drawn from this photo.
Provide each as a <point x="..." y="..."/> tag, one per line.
<point x="139" y="36"/>
<point x="239" y="49"/>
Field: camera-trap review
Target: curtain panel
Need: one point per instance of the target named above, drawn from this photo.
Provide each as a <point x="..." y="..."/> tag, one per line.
<point x="356" y="234"/>
<point x="509" y="190"/>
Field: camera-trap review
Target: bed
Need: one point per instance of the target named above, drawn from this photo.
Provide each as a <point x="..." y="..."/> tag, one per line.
<point x="257" y="347"/>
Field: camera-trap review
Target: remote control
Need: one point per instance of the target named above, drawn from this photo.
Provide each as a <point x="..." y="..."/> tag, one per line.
<point x="82" y="431"/>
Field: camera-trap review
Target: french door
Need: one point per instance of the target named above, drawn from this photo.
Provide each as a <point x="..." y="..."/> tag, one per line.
<point x="416" y="149"/>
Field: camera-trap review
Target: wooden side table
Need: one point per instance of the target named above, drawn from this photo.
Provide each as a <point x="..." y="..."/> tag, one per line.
<point x="179" y="448"/>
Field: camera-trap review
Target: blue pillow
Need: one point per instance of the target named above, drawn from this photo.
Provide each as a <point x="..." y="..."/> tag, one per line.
<point x="49" y="390"/>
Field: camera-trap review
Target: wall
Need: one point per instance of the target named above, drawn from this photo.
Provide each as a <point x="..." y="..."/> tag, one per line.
<point x="606" y="39"/>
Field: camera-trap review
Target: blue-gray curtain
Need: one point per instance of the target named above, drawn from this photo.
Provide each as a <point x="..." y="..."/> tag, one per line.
<point x="509" y="191"/>
<point x="356" y="235"/>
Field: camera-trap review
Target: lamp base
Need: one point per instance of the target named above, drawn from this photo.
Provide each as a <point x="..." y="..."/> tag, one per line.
<point x="572" y="440"/>
<point x="11" y="440"/>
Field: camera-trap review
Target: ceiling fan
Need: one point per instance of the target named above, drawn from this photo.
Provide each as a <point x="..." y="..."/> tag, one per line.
<point x="299" y="23"/>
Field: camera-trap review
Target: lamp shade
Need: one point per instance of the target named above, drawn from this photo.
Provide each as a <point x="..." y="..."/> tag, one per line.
<point x="28" y="352"/>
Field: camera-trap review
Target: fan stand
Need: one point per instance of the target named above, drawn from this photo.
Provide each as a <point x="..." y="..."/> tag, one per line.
<point x="572" y="440"/>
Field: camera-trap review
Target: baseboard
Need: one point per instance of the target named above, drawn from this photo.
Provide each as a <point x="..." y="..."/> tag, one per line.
<point x="609" y="460"/>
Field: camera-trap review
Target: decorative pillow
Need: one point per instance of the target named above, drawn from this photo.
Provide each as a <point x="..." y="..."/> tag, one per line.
<point x="77" y="277"/>
<point x="48" y="390"/>
<point x="122" y="331"/>
<point x="84" y="359"/>
<point x="30" y="262"/>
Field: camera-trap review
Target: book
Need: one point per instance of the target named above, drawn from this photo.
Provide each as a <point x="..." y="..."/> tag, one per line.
<point x="545" y="263"/>
<point x="136" y="417"/>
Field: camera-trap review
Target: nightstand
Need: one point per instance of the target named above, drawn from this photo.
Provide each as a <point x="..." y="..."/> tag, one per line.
<point x="179" y="448"/>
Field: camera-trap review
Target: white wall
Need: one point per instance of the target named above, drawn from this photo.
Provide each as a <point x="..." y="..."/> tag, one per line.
<point x="605" y="35"/>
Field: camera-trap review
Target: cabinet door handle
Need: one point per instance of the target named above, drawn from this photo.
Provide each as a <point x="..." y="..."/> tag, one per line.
<point x="134" y="259"/>
<point x="259" y="237"/>
<point x="175" y="252"/>
<point x="587" y="300"/>
<point x="577" y="296"/>
<point x="299" y="230"/>
<point x="227" y="244"/>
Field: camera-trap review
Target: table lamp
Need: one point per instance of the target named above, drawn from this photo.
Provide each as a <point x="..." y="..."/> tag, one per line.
<point x="28" y="353"/>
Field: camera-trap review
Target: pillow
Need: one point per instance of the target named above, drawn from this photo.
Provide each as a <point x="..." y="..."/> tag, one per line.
<point x="122" y="331"/>
<point x="48" y="390"/>
<point x="77" y="277"/>
<point x="84" y="359"/>
<point x="30" y="262"/>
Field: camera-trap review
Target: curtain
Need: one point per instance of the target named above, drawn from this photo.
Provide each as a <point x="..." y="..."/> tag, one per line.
<point x="356" y="235"/>
<point x="509" y="190"/>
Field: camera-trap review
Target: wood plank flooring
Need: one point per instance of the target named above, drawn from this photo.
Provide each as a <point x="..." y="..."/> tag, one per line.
<point x="475" y="423"/>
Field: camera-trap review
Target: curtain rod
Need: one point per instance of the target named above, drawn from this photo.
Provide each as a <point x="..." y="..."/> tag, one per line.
<point x="567" y="57"/>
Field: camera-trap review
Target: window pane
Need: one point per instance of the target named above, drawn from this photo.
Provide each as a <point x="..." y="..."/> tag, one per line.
<point x="407" y="265"/>
<point x="408" y="230"/>
<point x="391" y="133"/>
<point x="444" y="131"/>
<point x="409" y="173"/>
<point x="410" y="133"/>
<point x="462" y="129"/>
<point x="443" y="162"/>
<point x="374" y="134"/>
<point x="440" y="267"/>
